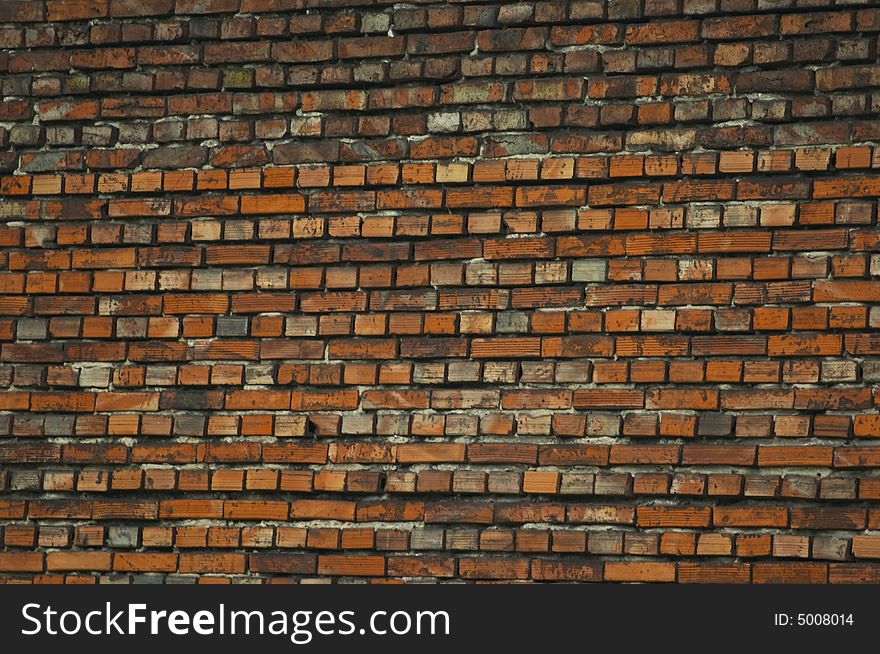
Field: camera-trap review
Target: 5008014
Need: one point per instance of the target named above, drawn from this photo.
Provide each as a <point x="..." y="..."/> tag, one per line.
<point x="813" y="619"/>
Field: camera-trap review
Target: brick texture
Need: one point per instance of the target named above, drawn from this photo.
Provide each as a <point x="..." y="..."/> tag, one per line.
<point x="297" y="290"/>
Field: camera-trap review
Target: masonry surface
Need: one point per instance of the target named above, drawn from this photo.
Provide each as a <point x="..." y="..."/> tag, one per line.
<point x="323" y="290"/>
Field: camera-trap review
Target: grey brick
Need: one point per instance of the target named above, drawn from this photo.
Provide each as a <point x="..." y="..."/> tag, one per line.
<point x="427" y="538"/>
<point x="512" y="322"/>
<point x="59" y="425"/>
<point x="122" y="537"/>
<point x="232" y="326"/>
<point x="31" y="329"/>
<point x="22" y="480"/>
<point x="588" y="270"/>
<point x="715" y="424"/>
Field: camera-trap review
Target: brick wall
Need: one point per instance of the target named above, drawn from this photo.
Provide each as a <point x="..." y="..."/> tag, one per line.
<point x="323" y="289"/>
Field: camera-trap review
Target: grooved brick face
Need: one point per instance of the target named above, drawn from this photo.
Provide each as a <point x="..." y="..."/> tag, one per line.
<point x="297" y="289"/>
